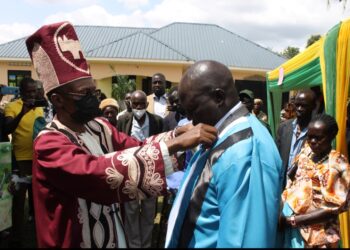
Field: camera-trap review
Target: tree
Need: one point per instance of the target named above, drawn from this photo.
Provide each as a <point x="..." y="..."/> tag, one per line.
<point x="120" y="86"/>
<point x="312" y="39"/>
<point x="290" y="52"/>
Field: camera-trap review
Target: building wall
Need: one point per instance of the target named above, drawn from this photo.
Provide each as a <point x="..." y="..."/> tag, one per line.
<point x="102" y="72"/>
<point x="105" y="85"/>
<point x="14" y="65"/>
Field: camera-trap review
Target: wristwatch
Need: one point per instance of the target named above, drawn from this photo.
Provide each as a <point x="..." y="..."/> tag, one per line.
<point x="292" y="221"/>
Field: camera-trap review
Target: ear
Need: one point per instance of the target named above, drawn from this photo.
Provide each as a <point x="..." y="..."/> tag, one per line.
<point x="57" y="100"/>
<point x="219" y="96"/>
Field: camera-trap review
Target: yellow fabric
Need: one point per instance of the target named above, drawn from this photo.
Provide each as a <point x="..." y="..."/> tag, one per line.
<point x="296" y="62"/>
<point x="22" y="137"/>
<point x="342" y="90"/>
<point x="323" y="70"/>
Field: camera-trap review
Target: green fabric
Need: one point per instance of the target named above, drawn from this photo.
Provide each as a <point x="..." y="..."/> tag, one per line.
<point x="309" y="75"/>
<point x="330" y="48"/>
<point x="306" y="76"/>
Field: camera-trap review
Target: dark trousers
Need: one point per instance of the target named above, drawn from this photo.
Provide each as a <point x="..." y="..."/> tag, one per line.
<point x="18" y="202"/>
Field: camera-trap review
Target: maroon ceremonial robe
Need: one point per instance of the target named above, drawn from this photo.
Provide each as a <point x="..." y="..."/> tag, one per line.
<point x="70" y="184"/>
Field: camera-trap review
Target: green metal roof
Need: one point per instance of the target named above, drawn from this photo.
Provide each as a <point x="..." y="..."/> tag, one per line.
<point x="174" y="42"/>
<point x="137" y="46"/>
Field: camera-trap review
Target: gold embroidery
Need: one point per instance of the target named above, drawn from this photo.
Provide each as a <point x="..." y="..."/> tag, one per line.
<point x="72" y="64"/>
<point x="152" y="182"/>
<point x="44" y="67"/>
<point x="114" y="178"/>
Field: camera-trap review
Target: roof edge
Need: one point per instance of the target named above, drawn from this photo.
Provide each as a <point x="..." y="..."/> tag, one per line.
<point x="116" y="60"/>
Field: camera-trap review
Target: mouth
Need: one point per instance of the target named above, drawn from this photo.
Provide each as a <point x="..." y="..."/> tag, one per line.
<point x="314" y="149"/>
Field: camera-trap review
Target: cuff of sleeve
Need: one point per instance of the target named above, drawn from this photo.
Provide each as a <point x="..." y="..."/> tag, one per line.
<point x="168" y="165"/>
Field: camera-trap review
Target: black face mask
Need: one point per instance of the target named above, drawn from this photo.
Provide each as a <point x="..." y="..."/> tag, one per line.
<point x="87" y="108"/>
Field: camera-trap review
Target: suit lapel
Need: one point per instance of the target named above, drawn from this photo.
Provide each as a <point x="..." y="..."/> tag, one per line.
<point x="288" y="140"/>
<point x="128" y="124"/>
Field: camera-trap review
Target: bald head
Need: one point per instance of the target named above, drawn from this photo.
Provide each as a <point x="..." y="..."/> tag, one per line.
<point x="210" y="74"/>
<point x="207" y="84"/>
<point x="138" y="100"/>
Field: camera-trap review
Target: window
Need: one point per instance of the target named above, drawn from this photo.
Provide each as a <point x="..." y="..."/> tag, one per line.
<point x="15" y="76"/>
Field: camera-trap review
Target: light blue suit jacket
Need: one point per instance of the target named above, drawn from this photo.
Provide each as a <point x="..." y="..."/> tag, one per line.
<point x="234" y="196"/>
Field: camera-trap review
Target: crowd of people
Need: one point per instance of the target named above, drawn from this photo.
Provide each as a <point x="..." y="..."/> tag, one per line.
<point x="93" y="172"/>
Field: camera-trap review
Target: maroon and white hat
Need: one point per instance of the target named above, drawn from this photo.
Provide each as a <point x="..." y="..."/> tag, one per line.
<point x="57" y="55"/>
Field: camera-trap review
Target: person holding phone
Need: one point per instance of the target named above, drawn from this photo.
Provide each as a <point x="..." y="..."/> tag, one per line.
<point x="19" y="121"/>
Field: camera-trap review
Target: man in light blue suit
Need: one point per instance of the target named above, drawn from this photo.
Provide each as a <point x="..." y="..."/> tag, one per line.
<point x="230" y="194"/>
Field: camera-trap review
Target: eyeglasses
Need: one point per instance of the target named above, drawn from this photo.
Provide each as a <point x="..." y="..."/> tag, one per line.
<point x="88" y="92"/>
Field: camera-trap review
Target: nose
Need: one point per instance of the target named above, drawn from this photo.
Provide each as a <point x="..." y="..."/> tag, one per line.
<point x="312" y="141"/>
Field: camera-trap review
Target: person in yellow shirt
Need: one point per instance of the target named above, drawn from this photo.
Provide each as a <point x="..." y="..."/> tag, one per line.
<point x="19" y="121"/>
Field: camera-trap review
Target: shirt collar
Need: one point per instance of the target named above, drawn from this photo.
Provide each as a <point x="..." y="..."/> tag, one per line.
<point x="156" y="97"/>
<point x="145" y="123"/>
<point x="294" y="124"/>
<point x="219" y="123"/>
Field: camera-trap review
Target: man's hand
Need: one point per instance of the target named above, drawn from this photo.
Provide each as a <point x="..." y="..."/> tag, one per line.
<point x="282" y="223"/>
<point x="13" y="186"/>
<point x="199" y="134"/>
<point x="183" y="129"/>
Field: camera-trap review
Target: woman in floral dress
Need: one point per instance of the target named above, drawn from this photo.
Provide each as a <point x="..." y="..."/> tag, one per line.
<point x="317" y="190"/>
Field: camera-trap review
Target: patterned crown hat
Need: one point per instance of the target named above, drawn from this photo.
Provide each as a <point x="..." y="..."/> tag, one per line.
<point x="57" y="55"/>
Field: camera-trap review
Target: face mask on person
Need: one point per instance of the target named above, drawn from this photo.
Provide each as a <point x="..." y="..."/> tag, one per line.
<point x="87" y="108"/>
<point x="138" y="113"/>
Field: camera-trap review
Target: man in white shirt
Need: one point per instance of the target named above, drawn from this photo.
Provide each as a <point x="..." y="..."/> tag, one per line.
<point x="139" y="215"/>
<point x="157" y="102"/>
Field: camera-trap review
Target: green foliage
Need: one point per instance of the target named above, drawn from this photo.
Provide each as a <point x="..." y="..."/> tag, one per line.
<point x="122" y="85"/>
<point x="290" y="52"/>
<point x="312" y="40"/>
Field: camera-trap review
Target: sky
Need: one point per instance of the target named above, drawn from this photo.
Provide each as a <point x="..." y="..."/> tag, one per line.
<point x="273" y="24"/>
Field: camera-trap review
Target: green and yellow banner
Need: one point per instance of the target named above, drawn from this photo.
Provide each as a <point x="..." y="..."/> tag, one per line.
<point x="326" y="63"/>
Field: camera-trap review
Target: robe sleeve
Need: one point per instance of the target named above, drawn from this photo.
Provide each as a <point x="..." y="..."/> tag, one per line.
<point x="133" y="173"/>
<point x="172" y="163"/>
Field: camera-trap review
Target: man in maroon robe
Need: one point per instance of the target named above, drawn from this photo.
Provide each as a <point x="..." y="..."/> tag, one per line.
<point x="82" y="165"/>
